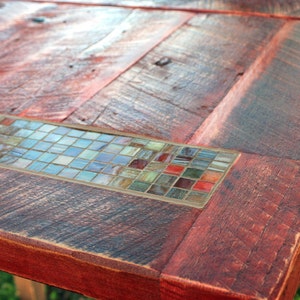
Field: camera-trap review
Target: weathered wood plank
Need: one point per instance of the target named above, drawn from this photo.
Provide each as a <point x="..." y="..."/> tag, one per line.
<point x="268" y="7"/>
<point x="207" y="57"/>
<point x="246" y="239"/>
<point x="262" y="115"/>
<point x="54" y="58"/>
<point x="58" y="232"/>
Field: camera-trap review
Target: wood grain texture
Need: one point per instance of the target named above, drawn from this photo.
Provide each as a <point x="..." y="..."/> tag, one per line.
<point x="246" y="239"/>
<point x="262" y="117"/>
<point x="207" y="57"/>
<point x="54" y="58"/>
<point x="52" y="229"/>
<point x="268" y="7"/>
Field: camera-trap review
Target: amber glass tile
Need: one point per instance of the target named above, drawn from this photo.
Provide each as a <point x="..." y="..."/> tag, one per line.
<point x="161" y="170"/>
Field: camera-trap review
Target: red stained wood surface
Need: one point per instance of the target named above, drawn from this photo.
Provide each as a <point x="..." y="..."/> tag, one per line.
<point x="207" y="57"/>
<point x="262" y="113"/>
<point x="51" y="67"/>
<point x="244" y="242"/>
<point x="267" y="7"/>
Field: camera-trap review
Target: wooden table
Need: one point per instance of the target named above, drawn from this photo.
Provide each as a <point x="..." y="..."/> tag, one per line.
<point x="221" y="74"/>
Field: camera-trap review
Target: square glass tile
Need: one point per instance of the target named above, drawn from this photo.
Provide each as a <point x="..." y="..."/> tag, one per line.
<point x="160" y="170"/>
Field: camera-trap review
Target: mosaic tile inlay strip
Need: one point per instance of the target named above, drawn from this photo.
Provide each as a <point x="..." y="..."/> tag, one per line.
<point x="155" y="169"/>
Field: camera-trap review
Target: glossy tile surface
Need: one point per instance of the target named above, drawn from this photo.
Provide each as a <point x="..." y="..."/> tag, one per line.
<point x="155" y="169"/>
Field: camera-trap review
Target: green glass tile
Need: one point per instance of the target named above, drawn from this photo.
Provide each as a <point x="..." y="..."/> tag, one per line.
<point x="121" y="182"/>
<point x="218" y="166"/>
<point x="130" y="173"/>
<point x="200" y="164"/>
<point x="47" y="157"/>
<point x="166" y="180"/>
<point x="177" y="193"/>
<point x="113" y="148"/>
<point x="21" y="163"/>
<point x="68" y="173"/>
<point x="91" y="135"/>
<point x="226" y="157"/>
<point x="24" y="133"/>
<point x="75" y="133"/>
<point x="105" y="157"/>
<point x="37" y="166"/>
<point x="192" y="173"/>
<point x="28" y="143"/>
<point x="130" y="151"/>
<point x="155" y="146"/>
<point x="67" y="140"/>
<point x="52" y="169"/>
<point x="57" y="148"/>
<point x="148" y="176"/>
<point x="122" y="140"/>
<point x="96" y="166"/>
<point x="86" y="175"/>
<point x="79" y="163"/>
<point x="158" y="190"/>
<point x="13" y="140"/>
<point x="155" y="166"/>
<point x="103" y="179"/>
<point x="38" y="135"/>
<point x="207" y="154"/>
<point x="73" y="151"/>
<point x="145" y="154"/>
<point x="82" y="143"/>
<point x="139" y="186"/>
<point x="63" y="160"/>
<point x="97" y="146"/>
<point x="32" y="154"/>
<point x="47" y="128"/>
<point x="42" y="146"/>
<point x="52" y="137"/>
<point x="200" y="199"/>
<point x="105" y="138"/>
<point x="88" y="154"/>
<point x="121" y="160"/>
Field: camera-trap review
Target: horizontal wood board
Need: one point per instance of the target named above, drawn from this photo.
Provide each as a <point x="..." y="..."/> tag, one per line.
<point x="207" y="56"/>
<point x="54" y="58"/>
<point x="267" y="7"/>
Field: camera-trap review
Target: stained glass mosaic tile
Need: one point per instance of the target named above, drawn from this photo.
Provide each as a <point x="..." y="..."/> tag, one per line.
<point x="154" y="169"/>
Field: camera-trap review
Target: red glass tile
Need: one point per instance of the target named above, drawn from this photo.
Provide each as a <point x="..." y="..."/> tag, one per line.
<point x="211" y="176"/>
<point x="203" y="186"/>
<point x="184" y="183"/>
<point x="164" y="157"/>
<point x="138" y="164"/>
<point x="174" y="169"/>
<point x="7" y="121"/>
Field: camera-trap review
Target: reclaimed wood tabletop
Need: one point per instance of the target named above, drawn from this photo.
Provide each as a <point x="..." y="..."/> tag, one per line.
<point x="151" y="149"/>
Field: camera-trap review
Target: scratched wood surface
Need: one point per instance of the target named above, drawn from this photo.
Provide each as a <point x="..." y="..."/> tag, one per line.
<point x="54" y="58"/>
<point x="263" y="114"/>
<point x="268" y="7"/>
<point x="245" y="240"/>
<point x="207" y="57"/>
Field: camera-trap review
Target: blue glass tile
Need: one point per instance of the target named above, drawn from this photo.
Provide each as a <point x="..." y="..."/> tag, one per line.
<point x="17" y="152"/>
<point x="38" y="135"/>
<point x="47" y="157"/>
<point x="113" y="148"/>
<point x="95" y="166"/>
<point x="105" y="157"/>
<point x="79" y="163"/>
<point x="47" y="128"/>
<point x="112" y="170"/>
<point x="32" y="154"/>
<point x="121" y="160"/>
<point x="24" y="133"/>
<point x="28" y="143"/>
<point x="66" y="140"/>
<point x="86" y="176"/>
<point x="37" y="166"/>
<point x="97" y="146"/>
<point x="68" y="173"/>
<point x="34" y="125"/>
<point x="63" y="160"/>
<point x="103" y="179"/>
<point x="61" y="130"/>
<point x="8" y="159"/>
<point x="57" y="148"/>
<point x="82" y="143"/>
<point x="43" y="146"/>
<point x="188" y="151"/>
<point x="91" y="135"/>
<point x="88" y="154"/>
<point x="122" y="140"/>
<point x="20" y="123"/>
<point x="53" y="169"/>
<point x="21" y="163"/>
<point x="75" y="133"/>
<point x="73" y="151"/>
<point x="52" y="137"/>
<point x="207" y="154"/>
<point x="105" y="137"/>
